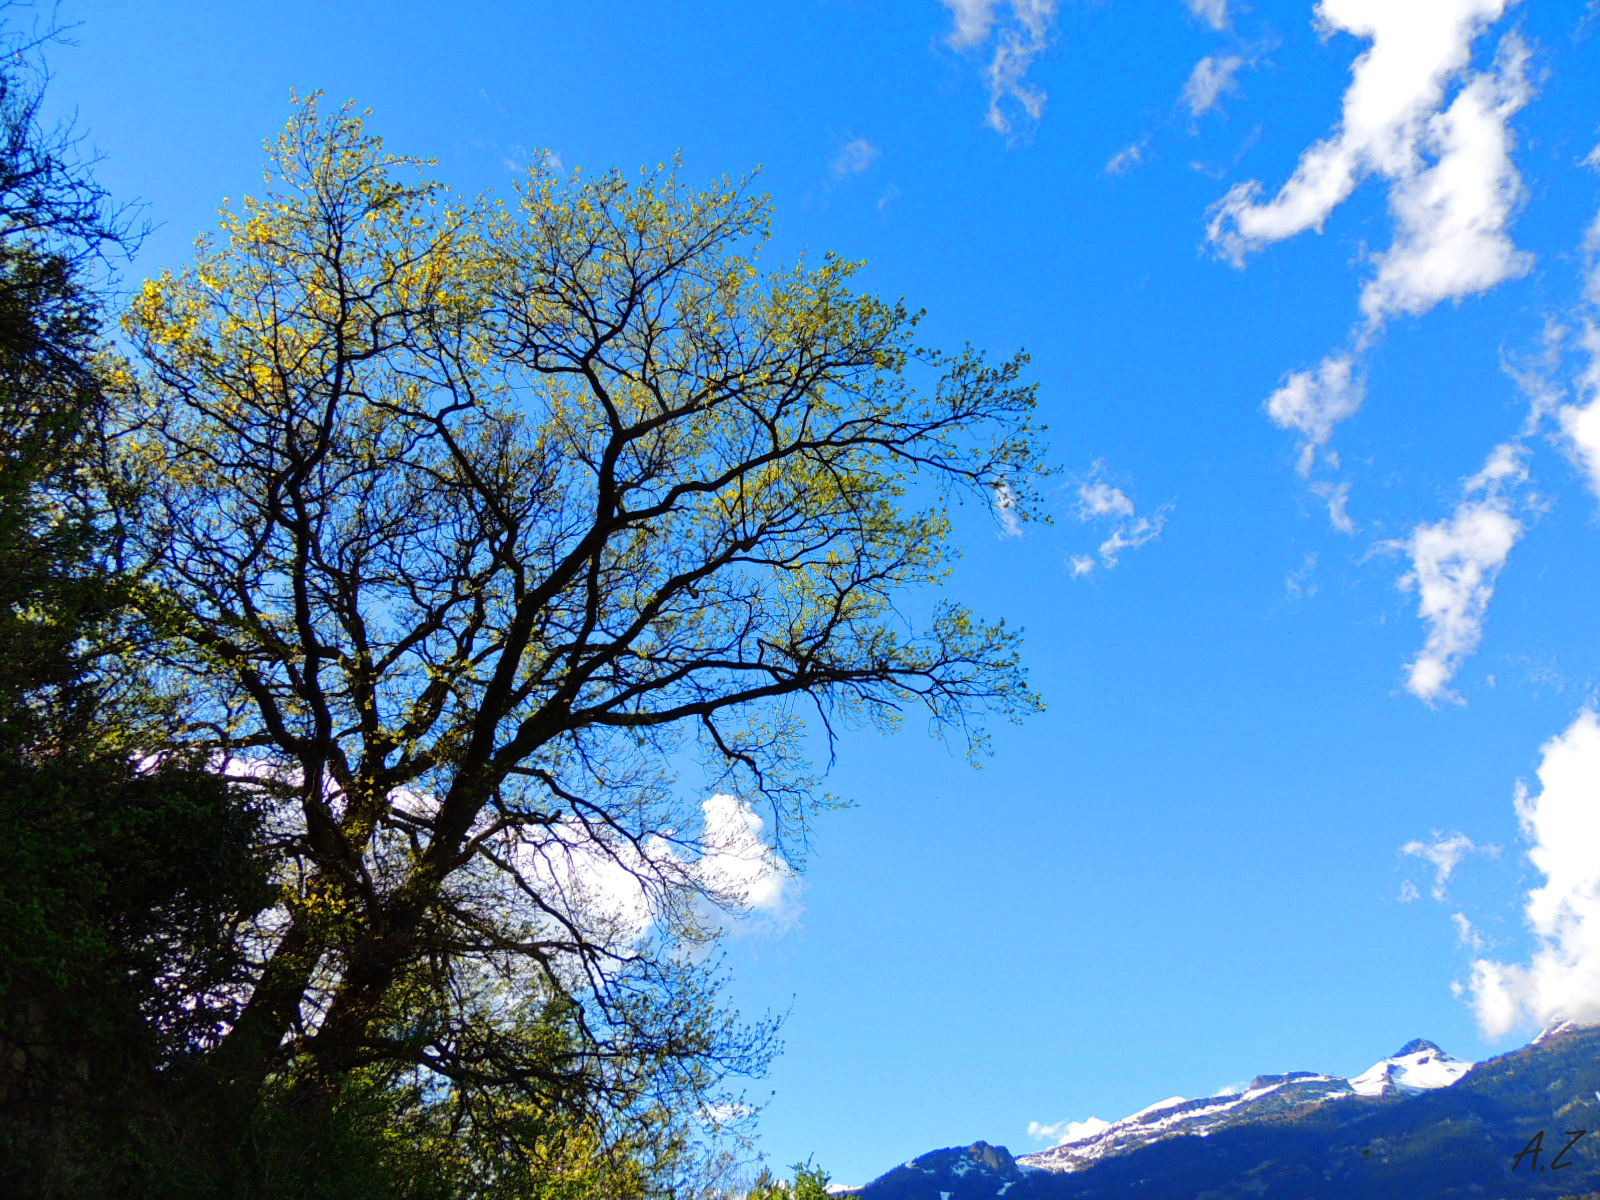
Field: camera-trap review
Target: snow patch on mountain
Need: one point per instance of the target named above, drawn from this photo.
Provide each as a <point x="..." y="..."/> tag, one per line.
<point x="1418" y="1066"/>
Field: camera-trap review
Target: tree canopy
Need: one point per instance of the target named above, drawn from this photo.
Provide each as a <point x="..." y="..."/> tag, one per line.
<point x="498" y="562"/>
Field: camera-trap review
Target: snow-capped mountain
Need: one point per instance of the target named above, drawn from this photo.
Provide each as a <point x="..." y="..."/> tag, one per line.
<point x="1417" y="1066"/>
<point x="1420" y="1124"/>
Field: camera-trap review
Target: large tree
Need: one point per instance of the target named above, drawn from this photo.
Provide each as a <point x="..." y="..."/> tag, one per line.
<point x="488" y="542"/>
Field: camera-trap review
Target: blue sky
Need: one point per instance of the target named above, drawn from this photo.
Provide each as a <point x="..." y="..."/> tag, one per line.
<point x="1311" y="296"/>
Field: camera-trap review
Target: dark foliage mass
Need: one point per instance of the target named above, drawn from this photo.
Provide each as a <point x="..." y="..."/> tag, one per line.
<point x="123" y="882"/>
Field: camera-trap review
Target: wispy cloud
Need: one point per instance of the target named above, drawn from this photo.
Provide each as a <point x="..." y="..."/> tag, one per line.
<point x="1313" y="402"/>
<point x="1337" y="497"/>
<point x="1561" y="823"/>
<point x="1130" y="535"/>
<point x="1009" y="35"/>
<point x="854" y="157"/>
<point x="1211" y="79"/>
<point x="1213" y="12"/>
<point x="1445" y="853"/>
<point x="1453" y="191"/>
<point x="518" y="160"/>
<point x="1297" y="584"/>
<point x="1125" y="160"/>
<point x="1580" y="421"/>
<point x="1396" y="86"/>
<point x="1098" y="502"/>
<point x="1455" y="562"/>
<point x="494" y="104"/>
<point x="1466" y="935"/>
<point x="1454" y="565"/>
<point x="973" y="21"/>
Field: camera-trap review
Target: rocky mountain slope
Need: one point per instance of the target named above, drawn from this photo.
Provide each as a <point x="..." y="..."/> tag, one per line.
<point x="1418" y="1125"/>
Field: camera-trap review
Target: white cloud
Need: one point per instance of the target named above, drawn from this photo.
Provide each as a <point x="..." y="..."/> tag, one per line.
<point x="1062" y="1132"/>
<point x="1098" y="501"/>
<point x="1562" y="825"/>
<point x="1445" y="853"/>
<point x="1124" y="160"/>
<point x="615" y="889"/>
<point x="854" y="157"/>
<point x="1210" y="80"/>
<point x="1591" y="242"/>
<point x="1212" y="12"/>
<point x="623" y="888"/>
<point x="603" y="884"/>
<point x="1417" y="48"/>
<point x="890" y="195"/>
<point x="1451" y="218"/>
<point x="1504" y="465"/>
<point x="1408" y="892"/>
<point x="1298" y="583"/>
<point x="1454" y="564"/>
<point x="1466" y="935"/>
<point x="1011" y="34"/>
<point x="1314" y="401"/>
<point x="738" y="865"/>
<point x="973" y="21"/>
<point x="1580" y="422"/>
<point x="1130" y="535"/>
<point x="1537" y="376"/>
<point x="1337" y="498"/>
<point x="1453" y="185"/>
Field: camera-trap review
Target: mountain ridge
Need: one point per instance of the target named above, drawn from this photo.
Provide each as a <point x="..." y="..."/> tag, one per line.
<point x="1417" y="1125"/>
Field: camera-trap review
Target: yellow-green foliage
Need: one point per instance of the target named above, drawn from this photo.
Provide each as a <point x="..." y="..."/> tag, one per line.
<point x="467" y="516"/>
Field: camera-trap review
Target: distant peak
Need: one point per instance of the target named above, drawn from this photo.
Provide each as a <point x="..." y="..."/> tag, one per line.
<point x="996" y="1158"/>
<point x="1416" y="1046"/>
<point x="1418" y="1066"/>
